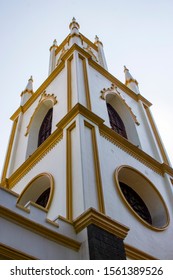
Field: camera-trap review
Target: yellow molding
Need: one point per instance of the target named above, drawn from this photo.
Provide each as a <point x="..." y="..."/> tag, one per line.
<point x="136" y="254"/>
<point x="92" y="216"/>
<point x="150" y="226"/>
<point x="10" y="146"/>
<point x="156" y="134"/>
<point x="69" y="83"/>
<point x="115" y="81"/>
<point x="69" y="181"/>
<point x="86" y="84"/>
<point x="51" y="180"/>
<point x="134" y="151"/>
<point x="39" y="229"/>
<point x="44" y="148"/>
<point x="39" y="91"/>
<point x="13" y="254"/>
<point x="97" y="168"/>
<point x="105" y="131"/>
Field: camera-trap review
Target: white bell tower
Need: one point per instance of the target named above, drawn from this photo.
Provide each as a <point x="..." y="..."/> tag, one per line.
<point x="86" y="175"/>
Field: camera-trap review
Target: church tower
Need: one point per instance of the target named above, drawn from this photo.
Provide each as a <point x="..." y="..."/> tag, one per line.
<point x="86" y="175"/>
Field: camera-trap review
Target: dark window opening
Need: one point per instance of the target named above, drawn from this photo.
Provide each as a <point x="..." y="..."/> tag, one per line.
<point x="46" y="126"/>
<point x="116" y="122"/>
<point x="43" y="198"/>
<point x="136" y="202"/>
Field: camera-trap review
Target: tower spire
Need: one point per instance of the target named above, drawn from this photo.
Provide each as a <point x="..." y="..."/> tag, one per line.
<point x="52" y="59"/>
<point x="28" y="91"/>
<point x="75" y="36"/>
<point x="130" y="82"/>
<point x="101" y="54"/>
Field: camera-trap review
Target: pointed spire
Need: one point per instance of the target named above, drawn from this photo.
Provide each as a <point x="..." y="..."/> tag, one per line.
<point x="74" y="25"/>
<point x="130" y="82"/>
<point x="29" y="86"/>
<point x="97" y="41"/>
<point x="27" y="93"/>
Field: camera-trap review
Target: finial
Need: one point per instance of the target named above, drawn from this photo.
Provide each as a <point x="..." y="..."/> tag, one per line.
<point x="74" y="24"/>
<point x="55" y="42"/>
<point x="97" y="41"/>
<point x="125" y="68"/>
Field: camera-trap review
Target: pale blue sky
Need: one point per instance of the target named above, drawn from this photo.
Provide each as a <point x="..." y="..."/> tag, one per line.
<point x="138" y="34"/>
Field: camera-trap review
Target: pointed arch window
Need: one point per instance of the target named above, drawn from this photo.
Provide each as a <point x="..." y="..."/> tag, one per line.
<point x="116" y="122"/>
<point x="46" y="126"/>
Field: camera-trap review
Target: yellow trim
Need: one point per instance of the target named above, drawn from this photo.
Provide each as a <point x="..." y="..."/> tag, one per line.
<point x="44" y="97"/>
<point x="10" y="146"/>
<point x="39" y="229"/>
<point x="105" y="131"/>
<point x="114" y="91"/>
<point x="69" y="181"/>
<point x="156" y="134"/>
<point x="13" y="254"/>
<point x="97" y="168"/>
<point x="39" y="91"/>
<point x="51" y="180"/>
<point x="115" y="81"/>
<point x="86" y="84"/>
<point x="41" y="151"/>
<point x="92" y="216"/>
<point x="129" y="206"/>
<point x="69" y="83"/>
<point x="136" y="254"/>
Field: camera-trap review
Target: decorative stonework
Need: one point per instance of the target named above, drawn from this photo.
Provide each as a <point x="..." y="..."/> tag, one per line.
<point x="114" y="91"/>
<point x="44" y="97"/>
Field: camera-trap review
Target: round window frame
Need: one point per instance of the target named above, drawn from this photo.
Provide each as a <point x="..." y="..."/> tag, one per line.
<point x="151" y="226"/>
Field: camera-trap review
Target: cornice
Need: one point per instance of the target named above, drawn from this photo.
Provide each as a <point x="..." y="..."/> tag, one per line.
<point x="136" y="254"/>
<point x="105" y="131"/>
<point x="41" y="151"/>
<point x="92" y="216"/>
<point x="13" y="254"/>
<point x="39" y="229"/>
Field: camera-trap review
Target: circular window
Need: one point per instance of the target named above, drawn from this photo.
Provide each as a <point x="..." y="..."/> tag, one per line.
<point x="142" y="197"/>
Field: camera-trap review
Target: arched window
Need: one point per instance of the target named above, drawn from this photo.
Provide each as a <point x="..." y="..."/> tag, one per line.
<point x="39" y="190"/>
<point x="116" y="122"/>
<point x="46" y="126"/>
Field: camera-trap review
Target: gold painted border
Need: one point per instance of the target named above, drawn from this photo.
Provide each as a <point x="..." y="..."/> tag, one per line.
<point x="44" y="174"/>
<point x="9" y="150"/>
<point x="129" y="206"/>
<point x="69" y="83"/>
<point x="69" y="183"/>
<point x="92" y="216"/>
<point x="156" y="134"/>
<point x="39" y="229"/>
<point x="86" y="83"/>
<point x="105" y="131"/>
<point x="136" y="254"/>
<point x="97" y="167"/>
<point x="14" y="254"/>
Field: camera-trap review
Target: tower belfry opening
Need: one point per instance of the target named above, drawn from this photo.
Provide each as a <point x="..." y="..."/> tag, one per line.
<point x="85" y="166"/>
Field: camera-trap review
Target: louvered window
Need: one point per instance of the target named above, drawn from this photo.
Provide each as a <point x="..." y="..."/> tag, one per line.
<point x="116" y="122"/>
<point x="46" y="126"/>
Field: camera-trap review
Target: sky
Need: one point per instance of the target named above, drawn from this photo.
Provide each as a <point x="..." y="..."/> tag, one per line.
<point x="136" y="33"/>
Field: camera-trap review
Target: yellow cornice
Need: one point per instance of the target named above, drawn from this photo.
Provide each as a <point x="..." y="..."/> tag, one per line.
<point x="136" y="254"/>
<point x="105" y="131"/>
<point x="88" y="42"/>
<point x="92" y="216"/>
<point x="39" y="229"/>
<point x="44" y="148"/>
<point x="13" y="254"/>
